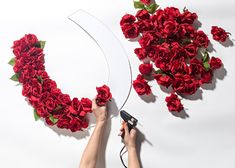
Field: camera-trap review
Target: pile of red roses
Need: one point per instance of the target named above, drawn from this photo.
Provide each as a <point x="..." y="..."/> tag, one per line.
<point x="42" y="92"/>
<point x="169" y="41"/>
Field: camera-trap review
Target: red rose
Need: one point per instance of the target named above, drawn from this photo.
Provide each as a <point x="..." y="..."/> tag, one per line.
<point x="145" y="26"/>
<point x="190" y="50"/>
<point x="50" y="103"/>
<point x="163" y="79"/>
<point x="195" y="67"/>
<point x="142" y="15"/>
<point x="75" y="124"/>
<point x="158" y="18"/>
<point x="103" y="95"/>
<point x="174" y="103"/>
<point x="127" y="19"/>
<point x="141" y="53"/>
<point x="171" y="13"/>
<point x="49" y="84"/>
<point x="188" y="17"/>
<point x="130" y="31"/>
<point x="42" y="111"/>
<point x="215" y="63"/>
<point x="63" y="122"/>
<point x="179" y="66"/>
<point x="146" y="40"/>
<point x="86" y="104"/>
<point x="145" y="69"/>
<point x="219" y="34"/>
<point x="75" y="107"/>
<point x="184" y="84"/>
<point x="146" y="2"/>
<point x="186" y="31"/>
<point x="206" y="76"/>
<point x="170" y="28"/>
<point x="64" y="99"/>
<point x="141" y="86"/>
<point x="201" y="39"/>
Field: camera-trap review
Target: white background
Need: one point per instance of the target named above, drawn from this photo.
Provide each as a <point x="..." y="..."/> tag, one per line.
<point x="204" y="139"/>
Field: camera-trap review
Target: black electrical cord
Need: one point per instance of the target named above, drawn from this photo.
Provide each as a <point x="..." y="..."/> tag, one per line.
<point x="121" y="156"/>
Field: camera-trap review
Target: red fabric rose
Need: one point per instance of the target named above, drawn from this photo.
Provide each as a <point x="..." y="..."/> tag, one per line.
<point x="141" y="53"/>
<point x="103" y="95"/>
<point x="163" y="79"/>
<point x="190" y="50"/>
<point x="146" y="40"/>
<point x="202" y="39"/>
<point x="195" y="67"/>
<point x="185" y="84"/>
<point x="174" y="103"/>
<point x="130" y="31"/>
<point x="127" y="19"/>
<point x="188" y="17"/>
<point x="170" y="28"/>
<point x="215" y="63"/>
<point x="145" y="69"/>
<point x="171" y="13"/>
<point x="206" y="76"/>
<point x="142" y="15"/>
<point x="141" y="86"/>
<point x="219" y="34"/>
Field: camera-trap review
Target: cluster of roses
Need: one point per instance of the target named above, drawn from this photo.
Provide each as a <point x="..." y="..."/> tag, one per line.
<point x="169" y="40"/>
<point x="42" y="92"/>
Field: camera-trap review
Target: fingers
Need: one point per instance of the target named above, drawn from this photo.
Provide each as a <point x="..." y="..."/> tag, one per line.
<point x="94" y="105"/>
<point x="133" y="132"/>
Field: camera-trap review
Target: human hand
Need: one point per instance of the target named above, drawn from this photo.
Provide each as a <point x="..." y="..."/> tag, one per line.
<point x="129" y="137"/>
<point x="100" y="112"/>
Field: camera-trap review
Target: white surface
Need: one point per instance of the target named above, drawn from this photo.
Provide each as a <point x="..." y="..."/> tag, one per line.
<point x="205" y="139"/>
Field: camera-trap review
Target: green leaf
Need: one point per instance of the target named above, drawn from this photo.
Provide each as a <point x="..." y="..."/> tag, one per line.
<point x="12" y="62"/>
<point x="36" y="116"/>
<point x="159" y="71"/>
<point x="53" y="120"/>
<point x="152" y="8"/>
<point x="42" y="44"/>
<point x="15" y="77"/>
<point x="206" y="65"/>
<point x="138" y="5"/>
<point x="205" y="57"/>
<point x="40" y="79"/>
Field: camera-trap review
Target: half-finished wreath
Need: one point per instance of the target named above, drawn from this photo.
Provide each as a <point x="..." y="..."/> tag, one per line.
<point x="42" y="92"/>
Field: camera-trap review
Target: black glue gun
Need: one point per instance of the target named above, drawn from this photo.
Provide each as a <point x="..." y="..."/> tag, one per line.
<point x="129" y="119"/>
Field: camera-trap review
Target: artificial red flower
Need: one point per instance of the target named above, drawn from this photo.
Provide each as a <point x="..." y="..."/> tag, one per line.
<point x="127" y="19"/>
<point x="202" y="39"/>
<point x="103" y="95"/>
<point x="188" y="17"/>
<point x="219" y="34"/>
<point x="142" y="15"/>
<point x="215" y="63"/>
<point x="174" y="103"/>
<point x="130" y="31"/>
<point x="141" y="53"/>
<point x="185" y="84"/>
<point x="163" y="79"/>
<point x="141" y="86"/>
<point x="145" y="69"/>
